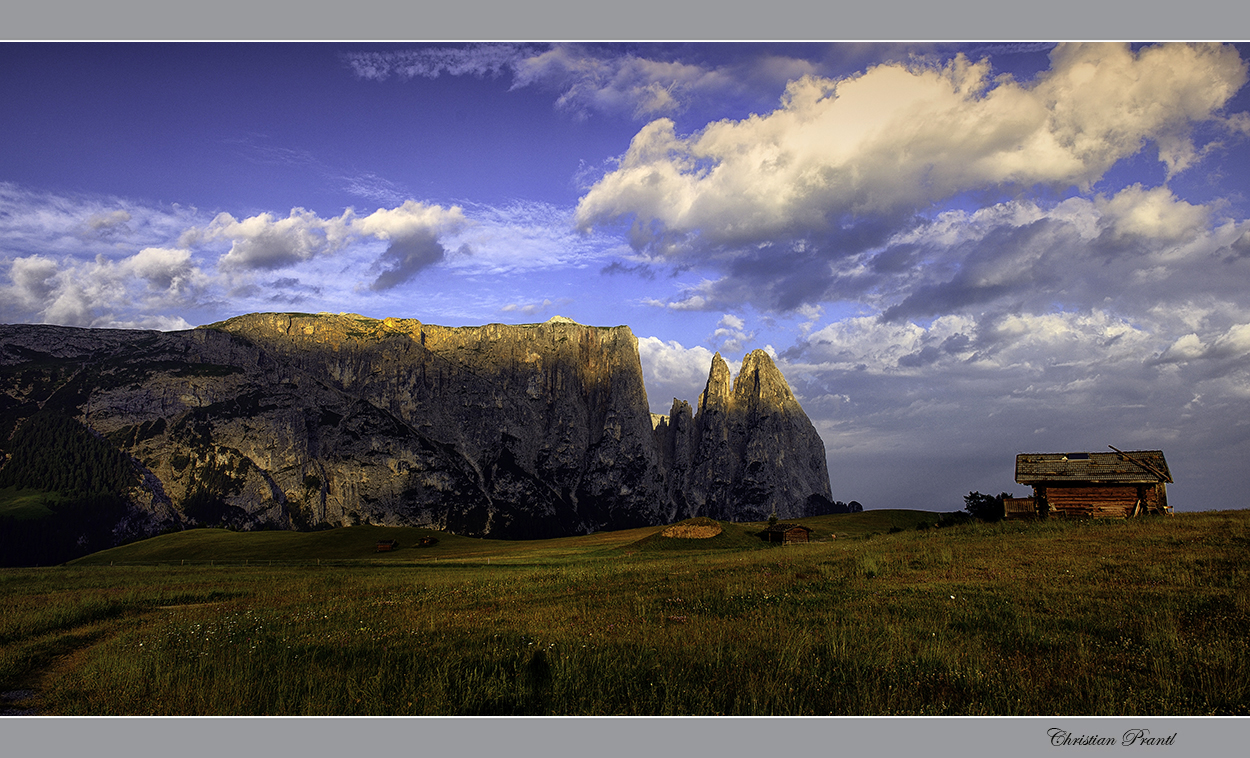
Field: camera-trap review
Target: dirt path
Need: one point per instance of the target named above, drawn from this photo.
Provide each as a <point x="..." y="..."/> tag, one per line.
<point x="58" y="654"/>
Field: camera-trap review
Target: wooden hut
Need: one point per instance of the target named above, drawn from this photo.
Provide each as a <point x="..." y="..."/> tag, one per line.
<point x="385" y="546"/>
<point x="1118" y="484"/>
<point x="787" y="533"/>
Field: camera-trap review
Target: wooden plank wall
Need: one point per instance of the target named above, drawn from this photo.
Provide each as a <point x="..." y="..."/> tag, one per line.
<point x="1092" y="501"/>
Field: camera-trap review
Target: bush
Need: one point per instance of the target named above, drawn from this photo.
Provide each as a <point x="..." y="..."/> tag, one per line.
<point x="955" y="518"/>
<point x="985" y="507"/>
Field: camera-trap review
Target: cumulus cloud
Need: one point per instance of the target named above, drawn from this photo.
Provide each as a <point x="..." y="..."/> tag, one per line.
<point x="413" y="232"/>
<point x="94" y="261"/>
<point x="110" y="222"/>
<point x="844" y="163"/>
<point x="138" y="290"/>
<point x="32" y="280"/>
<point x="1151" y="216"/>
<point x="405" y="257"/>
<point x="265" y="242"/>
<point x="164" y="269"/>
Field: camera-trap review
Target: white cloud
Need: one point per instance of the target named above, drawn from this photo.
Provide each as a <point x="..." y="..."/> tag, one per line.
<point x="1230" y="344"/>
<point x="1234" y="343"/>
<point x="1154" y="215"/>
<point x="412" y="231"/>
<point x="900" y="137"/>
<point x="267" y="242"/>
<point x="1017" y="342"/>
<point x="409" y="219"/>
<point x="941" y="408"/>
<point x="63" y="258"/>
<point x="138" y="290"/>
<point x="110" y="221"/>
<point x="164" y="269"/>
<point x="33" y="280"/>
<point x="1184" y="348"/>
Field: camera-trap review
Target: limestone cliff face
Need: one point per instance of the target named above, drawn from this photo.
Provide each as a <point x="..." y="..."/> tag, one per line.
<point x="552" y="419"/>
<point x="749" y="452"/>
<point x="293" y="421"/>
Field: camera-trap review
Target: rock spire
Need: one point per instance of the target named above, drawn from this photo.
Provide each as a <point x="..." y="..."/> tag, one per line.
<point x="749" y="451"/>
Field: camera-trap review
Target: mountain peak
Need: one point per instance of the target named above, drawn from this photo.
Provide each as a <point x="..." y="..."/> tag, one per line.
<point x="759" y="381"/>
<point x="719" y="387"/>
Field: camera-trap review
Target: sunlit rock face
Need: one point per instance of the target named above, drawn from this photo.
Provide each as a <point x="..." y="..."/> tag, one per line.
<point x="750" y="451"/>
<point x="296" y="421"/>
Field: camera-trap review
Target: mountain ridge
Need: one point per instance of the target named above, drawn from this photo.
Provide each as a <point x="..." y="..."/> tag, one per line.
<point x="295" y="421"/>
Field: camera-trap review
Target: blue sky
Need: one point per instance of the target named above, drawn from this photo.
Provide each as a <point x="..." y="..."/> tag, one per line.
<point x="955" y="252"/>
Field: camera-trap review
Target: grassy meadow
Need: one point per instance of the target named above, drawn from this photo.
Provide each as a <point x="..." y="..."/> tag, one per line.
<point x="24" y="505"/>
<point x="1141" y="617"/>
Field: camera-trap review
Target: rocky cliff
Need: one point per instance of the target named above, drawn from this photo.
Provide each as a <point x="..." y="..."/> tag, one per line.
<point x="297" y="421"/>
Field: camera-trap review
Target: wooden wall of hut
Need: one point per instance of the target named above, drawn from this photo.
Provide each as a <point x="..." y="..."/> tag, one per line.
<point x="1103" y="500"/>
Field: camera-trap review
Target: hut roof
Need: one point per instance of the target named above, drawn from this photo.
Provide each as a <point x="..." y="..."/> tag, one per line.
<point x="1127" y="467"/>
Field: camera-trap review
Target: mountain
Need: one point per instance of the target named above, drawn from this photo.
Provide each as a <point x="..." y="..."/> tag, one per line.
<point x="302" y="421"/>
<point x="749" y="451"/>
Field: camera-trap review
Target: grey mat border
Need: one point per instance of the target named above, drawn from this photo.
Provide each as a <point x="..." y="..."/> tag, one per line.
<point x="615" y="737"/>
<point x="1142" y="20"/>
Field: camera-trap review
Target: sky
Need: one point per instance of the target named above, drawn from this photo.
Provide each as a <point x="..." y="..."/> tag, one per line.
<point x="954" y="252"/>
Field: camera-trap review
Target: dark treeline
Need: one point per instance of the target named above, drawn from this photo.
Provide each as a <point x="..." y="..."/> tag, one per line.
<point x="85" y="480"/>
<point x="55" y="453"/>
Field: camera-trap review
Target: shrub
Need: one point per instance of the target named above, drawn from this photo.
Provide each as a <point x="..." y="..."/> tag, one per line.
<point x="984" y="507"/>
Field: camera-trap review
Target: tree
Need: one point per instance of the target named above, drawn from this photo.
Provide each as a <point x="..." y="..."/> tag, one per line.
<point x="985" y="507"/>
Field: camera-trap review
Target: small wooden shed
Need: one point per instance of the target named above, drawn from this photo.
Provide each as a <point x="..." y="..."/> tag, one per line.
<point x="1118" y="484"/>
<point x="385" y="546"/>
<point x="788" y="533"/>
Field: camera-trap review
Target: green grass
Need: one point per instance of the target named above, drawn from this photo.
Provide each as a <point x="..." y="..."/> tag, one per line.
<point x="25" y="504"/>
<point x="1144" y="617"/>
